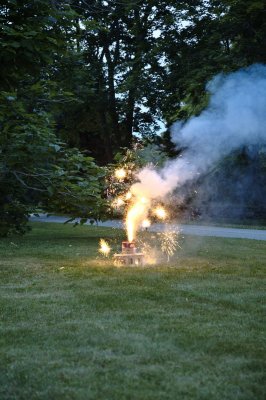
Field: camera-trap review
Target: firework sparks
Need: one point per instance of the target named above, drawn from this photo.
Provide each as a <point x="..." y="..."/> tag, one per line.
<point x="146" y="223"/>
<point x="128" y="196"/>
<point x="138" y="203"/>
<point x="160" y="212"/>
<point x="104" y="248"/>
<point x="169" y="243"/>
<point x="120" y="174"/>
<point x="135" y="215"/>
<point x="143" y="200"/>
<point x="118" y="202"/>
<point x="149" y="252"/>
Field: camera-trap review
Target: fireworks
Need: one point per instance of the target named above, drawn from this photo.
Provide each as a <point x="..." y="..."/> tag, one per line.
<point x="118" y="202"/>
<point x="104" y="248"/>
<point x="138" y="203"/>
<point x="120" y="174"/>
<point x="160" y="212"/>
<point x="146" y="223"/>
<point x="136" y="213"/>
<point x="143" y="200"/>
<point x="150" y="253"/>
<point x="128" y="196"/>
<point x="169" y="243"/>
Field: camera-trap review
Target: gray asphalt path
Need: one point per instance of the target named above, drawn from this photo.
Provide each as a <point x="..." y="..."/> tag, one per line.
<point x="198" y="230"/>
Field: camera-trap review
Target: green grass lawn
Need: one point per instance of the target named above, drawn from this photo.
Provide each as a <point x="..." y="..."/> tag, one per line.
<point x="75" y="327"/>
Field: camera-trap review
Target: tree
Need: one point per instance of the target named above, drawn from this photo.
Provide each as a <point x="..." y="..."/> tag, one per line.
<point x="36" y="168"/>
<point x="215" y="36"/>
<point x="94" y="73"/>
<point x="135" y="62"/>
<point x="120" y="55"/>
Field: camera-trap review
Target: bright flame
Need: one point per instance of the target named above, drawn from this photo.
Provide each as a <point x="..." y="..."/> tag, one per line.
<point x="146" y="223"/>
<point x="120" y="174"/>
<point x="135" y="215"/>
<point x="160" y="212"/>
<point x="104" y="248"/>
<point x="144" y="200"/>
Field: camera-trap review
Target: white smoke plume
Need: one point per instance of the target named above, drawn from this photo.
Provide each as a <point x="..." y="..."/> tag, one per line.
<point x="235" y="117"/>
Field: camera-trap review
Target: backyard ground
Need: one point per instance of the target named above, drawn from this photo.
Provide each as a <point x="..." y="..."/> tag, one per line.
<point x="75" y="327"/>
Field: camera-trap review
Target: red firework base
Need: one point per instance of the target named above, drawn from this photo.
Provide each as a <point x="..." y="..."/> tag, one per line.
<point x="129" y="256"/>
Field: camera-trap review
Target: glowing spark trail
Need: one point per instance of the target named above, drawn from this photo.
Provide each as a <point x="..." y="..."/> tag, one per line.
<point x="168" y="242"/>
<point x="146" y="223"/>
<point x="120" y="174"/>
<point x="160" y="212"/>
<point x="128" y="196"/>
<point x="104" y="248"/>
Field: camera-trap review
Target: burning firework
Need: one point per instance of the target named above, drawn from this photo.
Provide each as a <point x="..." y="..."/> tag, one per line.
<point x="169" y="243"/>
<point x="138" y="204"/>
<point x="104" y="248"/>
<point x="120" y="174"/>
<point x="129" y="256"/>
<point x="160" y="212"/>
<point x="137" y="212"/>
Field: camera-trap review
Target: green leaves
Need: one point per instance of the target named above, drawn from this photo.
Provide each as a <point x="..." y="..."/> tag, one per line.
<point x="37" y="169"/>
<point x="91" y="76"/>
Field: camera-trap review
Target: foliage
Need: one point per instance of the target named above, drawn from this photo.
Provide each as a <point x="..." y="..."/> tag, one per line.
<point x="113" y="68"/>
<point x="98" y="75"/>
<point x="36" y="168"/>
<point x="210" y="37"/>
<point x="76" y="186"/>
<point x="120" y="67"/>
<point x="133" y="63"/>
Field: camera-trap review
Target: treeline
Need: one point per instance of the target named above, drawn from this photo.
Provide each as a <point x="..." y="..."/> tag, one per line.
<point x="82" y="79"/>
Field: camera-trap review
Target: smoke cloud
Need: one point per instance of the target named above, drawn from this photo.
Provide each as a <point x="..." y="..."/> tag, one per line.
<point x="235" y="117"/>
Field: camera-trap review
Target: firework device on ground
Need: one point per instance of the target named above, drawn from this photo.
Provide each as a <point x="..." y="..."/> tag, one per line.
<point x="129" y="256"/>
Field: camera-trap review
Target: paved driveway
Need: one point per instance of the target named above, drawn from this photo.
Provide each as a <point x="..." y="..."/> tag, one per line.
<point x="199" y="230"/>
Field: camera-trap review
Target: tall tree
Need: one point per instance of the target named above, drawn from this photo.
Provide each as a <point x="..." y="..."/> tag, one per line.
<point x="36" y="168"/>
<point x="213" y="37"/>
<point x="122" y="56"/>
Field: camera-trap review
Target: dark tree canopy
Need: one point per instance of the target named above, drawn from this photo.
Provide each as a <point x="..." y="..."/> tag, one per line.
<point x="133" y="63"/>
<point x="36" y="167"/>
<point x="97" y="76"/>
